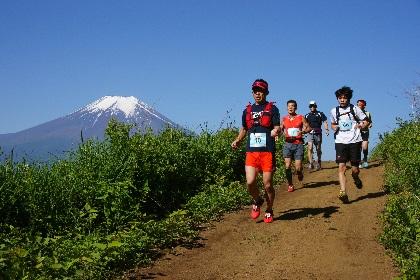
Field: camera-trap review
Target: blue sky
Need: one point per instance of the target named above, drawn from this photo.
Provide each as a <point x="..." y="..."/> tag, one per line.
<point x="194" y="61"/>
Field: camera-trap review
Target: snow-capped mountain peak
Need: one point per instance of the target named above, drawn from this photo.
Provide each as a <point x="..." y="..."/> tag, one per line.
<point x="91" y="121"/>
<point x="127" y="105"/>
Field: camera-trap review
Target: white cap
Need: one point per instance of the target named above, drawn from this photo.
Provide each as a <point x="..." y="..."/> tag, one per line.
<point x="312" y="102"/>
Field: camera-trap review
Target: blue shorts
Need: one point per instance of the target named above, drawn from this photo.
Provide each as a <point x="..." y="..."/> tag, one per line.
<point x="314" y="138"/>
<point x="293" y="151"/>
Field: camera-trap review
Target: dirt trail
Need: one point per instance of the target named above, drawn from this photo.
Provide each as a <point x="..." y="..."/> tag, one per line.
<point x="313" y="236"/>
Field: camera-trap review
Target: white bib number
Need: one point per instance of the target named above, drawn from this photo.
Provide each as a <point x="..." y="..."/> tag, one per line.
<point x="257" y="140"/>
<point x="293" y="131"/>
<point x="345" y="125"/>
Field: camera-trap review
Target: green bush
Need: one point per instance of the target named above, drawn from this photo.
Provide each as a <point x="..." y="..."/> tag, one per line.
<point x="112" y="204"/>
<point x="402" y="232"/>
<point x="400" y="150"/>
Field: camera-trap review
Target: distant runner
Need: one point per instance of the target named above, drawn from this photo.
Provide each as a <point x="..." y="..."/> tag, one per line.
<point x="261" y="123"/>
<point x="365" y="134"/>
<point x="293" y="127"/>
<point x="315" y="119"/>
<point x="346" y="121"/>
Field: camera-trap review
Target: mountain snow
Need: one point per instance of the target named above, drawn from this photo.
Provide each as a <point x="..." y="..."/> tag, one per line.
<point x="127" y="105"/>
<point x="65" y="133"/>
<point x="130" y="106"/>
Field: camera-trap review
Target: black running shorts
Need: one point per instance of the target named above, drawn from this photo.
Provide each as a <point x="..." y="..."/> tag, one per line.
<point x="348" y="152"/>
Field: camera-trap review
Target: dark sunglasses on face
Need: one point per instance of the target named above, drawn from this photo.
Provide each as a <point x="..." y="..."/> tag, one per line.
<point x="257" y="89"/>
<point x="312" y="106"/>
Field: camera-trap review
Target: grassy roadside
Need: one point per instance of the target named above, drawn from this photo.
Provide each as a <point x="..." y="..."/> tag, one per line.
<point x="400" y="151"/>
<point x="115" y="204"/>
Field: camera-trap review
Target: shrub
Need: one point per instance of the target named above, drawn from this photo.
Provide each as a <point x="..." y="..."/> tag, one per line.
<point x="400" y="150"/>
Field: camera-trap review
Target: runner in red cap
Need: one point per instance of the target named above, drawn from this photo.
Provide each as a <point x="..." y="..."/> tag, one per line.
<point x="261" y="123"/>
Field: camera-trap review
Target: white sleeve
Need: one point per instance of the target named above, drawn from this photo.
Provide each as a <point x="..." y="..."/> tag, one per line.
<point x="333" y="115"/>
<point x="359" y="113"/>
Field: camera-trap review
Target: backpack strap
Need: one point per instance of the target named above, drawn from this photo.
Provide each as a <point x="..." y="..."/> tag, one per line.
<point x="353" y="113"/>
<point x="248" y="118"/>
<point x="337" y="113"/>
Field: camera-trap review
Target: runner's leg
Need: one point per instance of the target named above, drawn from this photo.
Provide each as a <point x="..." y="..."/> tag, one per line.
<point x="342" y="176"/>
<point x="310" y="154"/>
<point x="269" y="190"/>
<point x="251" y="181"/>
<point x="287" y="165"/>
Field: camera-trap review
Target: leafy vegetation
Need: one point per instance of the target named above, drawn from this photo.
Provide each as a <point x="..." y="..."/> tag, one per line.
<point x="400" y="150"/>
<point x="113" y="204"/>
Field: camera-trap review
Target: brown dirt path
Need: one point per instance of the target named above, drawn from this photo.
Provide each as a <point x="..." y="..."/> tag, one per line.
<point x="314" y="236"/>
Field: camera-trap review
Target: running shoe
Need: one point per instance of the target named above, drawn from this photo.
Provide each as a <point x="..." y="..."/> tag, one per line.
<point x="268" y="216"/>
<point x="319" y="166"/>
<point x="291" y="188"/>
<point x="343" y="197"/>
<point x="256" y="208"/>
<point x="357" y="182"/>
<point x="255" y="211"/>
<point x="365" y="164"/>
<point x="310" y="166"/>
<point x="300" y="175"/>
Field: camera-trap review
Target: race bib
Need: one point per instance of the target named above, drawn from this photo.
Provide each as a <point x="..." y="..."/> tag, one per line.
<point x="293" y="132"/>
<point x="257" y="140"/>
<point x="345" y="125"/>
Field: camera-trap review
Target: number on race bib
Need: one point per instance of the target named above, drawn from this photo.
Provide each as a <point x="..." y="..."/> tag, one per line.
<point x="257" y="140"/>
<point x="345" y="125"/>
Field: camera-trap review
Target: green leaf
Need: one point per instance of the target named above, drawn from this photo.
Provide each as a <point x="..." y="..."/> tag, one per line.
<point x="101" y="246"/>
<point x="21" y="252"/>
<point x="115" y="244"/>
<point x="56" y="266"/>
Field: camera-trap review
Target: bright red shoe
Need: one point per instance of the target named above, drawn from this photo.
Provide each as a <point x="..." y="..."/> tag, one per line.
<point x="268" y="217"/>
<point x="255" y="211"/>
<point x="291" y="188"/>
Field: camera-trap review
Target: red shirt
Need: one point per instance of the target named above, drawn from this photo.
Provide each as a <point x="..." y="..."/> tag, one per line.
<point x="293" y="122"/>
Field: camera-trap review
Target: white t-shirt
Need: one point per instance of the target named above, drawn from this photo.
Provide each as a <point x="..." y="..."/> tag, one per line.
<point x="347" y="133"/>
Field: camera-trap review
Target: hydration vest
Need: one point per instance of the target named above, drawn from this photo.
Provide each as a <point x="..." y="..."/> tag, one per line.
<point x="264" y="120"/>
<point x="337" y="116"/>
<point x="318" y="121"/>
<point x="337" y="113"/>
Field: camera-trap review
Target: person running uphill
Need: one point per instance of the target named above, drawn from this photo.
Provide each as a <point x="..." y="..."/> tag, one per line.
<point x="315" y="119"/>
<point x="293" y="127"/>
<point x="365" y="133"/>
<point x="347" y="120"/>
<point x="260" y="124"/>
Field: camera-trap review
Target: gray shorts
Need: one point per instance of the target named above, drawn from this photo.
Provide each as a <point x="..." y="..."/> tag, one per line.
<point x="314" y="138"/>
<point x="293" y="151"/>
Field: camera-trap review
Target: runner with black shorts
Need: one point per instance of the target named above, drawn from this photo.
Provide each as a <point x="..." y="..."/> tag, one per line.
<point x="365" y="134"/>
<point x="346" y="121"/>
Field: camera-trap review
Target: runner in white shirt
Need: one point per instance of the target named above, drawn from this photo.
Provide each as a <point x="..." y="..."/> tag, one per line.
<point x="346" y="121"/>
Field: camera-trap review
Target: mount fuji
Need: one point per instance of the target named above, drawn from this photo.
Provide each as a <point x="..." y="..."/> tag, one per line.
<point x="54" y="138"/>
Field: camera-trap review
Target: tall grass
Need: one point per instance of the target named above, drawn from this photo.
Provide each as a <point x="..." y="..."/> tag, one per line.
<point x="400" y="150"/>
<point x="115" y="203"/>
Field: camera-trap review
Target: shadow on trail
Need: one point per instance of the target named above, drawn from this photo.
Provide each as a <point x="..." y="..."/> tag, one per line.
<point x="371" y="165"/>
<point x="294" y="214"/>
<point x="150" y="276"/>
<point x="330" y="167"/>
<point x="369" y="195"/>
<point x="319" y="184"/>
